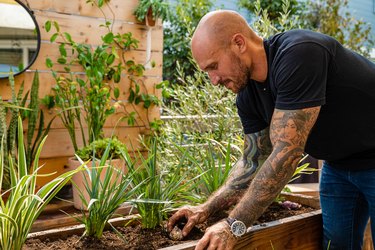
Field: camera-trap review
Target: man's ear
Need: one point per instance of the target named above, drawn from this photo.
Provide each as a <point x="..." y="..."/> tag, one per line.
<point x="239" y="41"/>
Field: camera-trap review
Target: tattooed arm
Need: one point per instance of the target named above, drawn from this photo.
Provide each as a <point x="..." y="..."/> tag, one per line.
<point x="289" y="132"/>
<point x="256" y="149"/>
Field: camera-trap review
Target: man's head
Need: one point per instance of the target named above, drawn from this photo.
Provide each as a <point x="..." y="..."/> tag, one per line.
<point x="224" y="46"/>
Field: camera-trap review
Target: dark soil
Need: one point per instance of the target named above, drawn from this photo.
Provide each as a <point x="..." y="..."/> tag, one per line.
<point x="135" y="238"/>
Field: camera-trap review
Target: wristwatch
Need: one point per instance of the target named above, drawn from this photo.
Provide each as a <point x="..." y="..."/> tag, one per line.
<point x="238" y="228"/>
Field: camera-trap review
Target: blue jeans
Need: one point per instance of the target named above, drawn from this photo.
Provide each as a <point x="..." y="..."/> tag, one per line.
<point x="348" y="201"/>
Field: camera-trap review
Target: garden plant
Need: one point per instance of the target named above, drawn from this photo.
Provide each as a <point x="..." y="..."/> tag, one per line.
<point x="106" y="193"/>
<point x="25" y="202"/>
<point x="31" y="113"/>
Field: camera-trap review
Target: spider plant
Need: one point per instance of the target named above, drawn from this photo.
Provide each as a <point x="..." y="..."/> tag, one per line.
<point x="105" y="194"/>
<point x="24" y="204"/>
<point x="156" y="194"/>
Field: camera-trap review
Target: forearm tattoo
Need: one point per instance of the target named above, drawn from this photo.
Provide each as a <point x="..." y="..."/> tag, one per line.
<point x="255" y="146"/>
<point x="288" y="133"/>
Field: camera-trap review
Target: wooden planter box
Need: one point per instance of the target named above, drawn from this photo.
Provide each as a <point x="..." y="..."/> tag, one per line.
<point x="297" y="232"/>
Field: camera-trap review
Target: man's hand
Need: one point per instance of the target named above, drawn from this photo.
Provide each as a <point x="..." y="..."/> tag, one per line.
<point x="217" y="237"/>
<point x="193" y="215"/>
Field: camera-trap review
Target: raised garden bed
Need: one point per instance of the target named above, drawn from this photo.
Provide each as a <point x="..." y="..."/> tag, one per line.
<point x="301" y="231"/>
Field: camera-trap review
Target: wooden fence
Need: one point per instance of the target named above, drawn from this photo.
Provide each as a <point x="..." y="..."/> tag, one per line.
<point x="82" y="21"/>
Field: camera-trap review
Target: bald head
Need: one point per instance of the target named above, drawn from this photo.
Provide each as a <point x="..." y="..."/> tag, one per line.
<point x="220" y="26"/>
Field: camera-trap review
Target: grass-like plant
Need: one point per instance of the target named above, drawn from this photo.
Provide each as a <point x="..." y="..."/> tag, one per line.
<point x="106" y="194"/>
<point x="25" y="203"/>
<point x="156" y="194"/>
<point x="214" y="166"/>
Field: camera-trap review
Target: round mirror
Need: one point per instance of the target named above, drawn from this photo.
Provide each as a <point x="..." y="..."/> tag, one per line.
<point x="19" y="38"/>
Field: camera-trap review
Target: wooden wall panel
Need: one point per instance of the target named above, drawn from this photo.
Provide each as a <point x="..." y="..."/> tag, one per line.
<point x="123" y="10"/>
<point x="90" y="32"/>
<point x="47" y="82"/>
<point x="82" y="21"/>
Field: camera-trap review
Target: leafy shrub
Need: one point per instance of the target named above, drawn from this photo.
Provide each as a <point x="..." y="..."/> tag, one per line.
<point x="97" y="148"/>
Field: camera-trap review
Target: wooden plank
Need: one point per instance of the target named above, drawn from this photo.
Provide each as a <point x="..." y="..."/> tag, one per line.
<point x="47" y="82"/>
<point x="113" y="120"/>
<point x="298" y="232"/>
<point x="90" y="31"/>
<point x="55" y="165"/>
<point x="51" y="50"/>
<point x="123" y="10"/>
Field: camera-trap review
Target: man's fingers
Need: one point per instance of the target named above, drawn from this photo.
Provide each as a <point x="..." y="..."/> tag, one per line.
<point x="203" y="243"/>
<point x="188" y="227"/>
<point x="174" y="218"/>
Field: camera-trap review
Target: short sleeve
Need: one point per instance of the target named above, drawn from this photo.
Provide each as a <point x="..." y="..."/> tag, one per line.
<point x="300" y="76"/>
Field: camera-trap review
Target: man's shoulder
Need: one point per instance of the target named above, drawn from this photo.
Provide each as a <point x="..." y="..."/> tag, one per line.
<point x="291" y="38"/>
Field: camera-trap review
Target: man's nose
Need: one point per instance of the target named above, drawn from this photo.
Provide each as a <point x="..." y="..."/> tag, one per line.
<point x="215" y="79"/>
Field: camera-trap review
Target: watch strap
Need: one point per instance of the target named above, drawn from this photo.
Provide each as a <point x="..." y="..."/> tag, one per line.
<point x="230" y="220"/>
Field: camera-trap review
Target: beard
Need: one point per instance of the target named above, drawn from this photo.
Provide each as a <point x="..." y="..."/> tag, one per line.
<point x="241" y="72"/>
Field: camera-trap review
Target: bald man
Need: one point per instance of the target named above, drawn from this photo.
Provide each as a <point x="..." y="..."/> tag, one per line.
<point x="299" y="75"/>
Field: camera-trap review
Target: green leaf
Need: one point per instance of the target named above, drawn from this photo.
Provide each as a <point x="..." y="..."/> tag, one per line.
<point x="110" y="59"/>
<point x="137" y="100"/>
<point x="68" y="37"/>
<point x="53" y="37"/>
<point x="147" y="104"/>
<point x="49" y="63"/>
<point x="100" y="3"/>
<point x="47" y="26"/>
<point x="81" y="82"/>
<point x="108" y="38"/>
<point x="117" y="77"/>
<point x="57" y="27"/>
<point x="131" y="96"/>
<point x="61" y="60"/>
<point x="62" y="50"/>
<point x="116" y="92"/>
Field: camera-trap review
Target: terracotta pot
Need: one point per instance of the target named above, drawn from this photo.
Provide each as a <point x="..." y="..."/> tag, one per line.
<point x="150" y="21"/>
<point x="4" y="196"/>
<point x="79" y="179"/>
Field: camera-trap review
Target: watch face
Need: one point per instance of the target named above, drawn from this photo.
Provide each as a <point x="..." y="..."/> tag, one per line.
<point x="238" y="228"/>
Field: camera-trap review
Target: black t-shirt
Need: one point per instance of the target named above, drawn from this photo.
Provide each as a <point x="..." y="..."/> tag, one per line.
<point x="309" y="69"/>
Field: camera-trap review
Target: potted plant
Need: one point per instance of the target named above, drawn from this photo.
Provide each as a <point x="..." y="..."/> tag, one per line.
<point x="104" y="187"/>
<point x="100" y="158"/>
<point x="149" y="11"/>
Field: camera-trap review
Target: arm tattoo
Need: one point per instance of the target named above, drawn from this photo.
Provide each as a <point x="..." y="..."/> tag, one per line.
<point x="288" y="133"/>
<point x="243" y="171"/>
<point x="257" y="148"/>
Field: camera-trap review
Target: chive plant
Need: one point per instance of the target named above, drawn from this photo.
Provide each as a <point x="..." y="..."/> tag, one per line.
<point x="156" y="194"/>
<point x="214" y="167"/>
<point x="106" y="194"/>
<point x="25" y="203"/>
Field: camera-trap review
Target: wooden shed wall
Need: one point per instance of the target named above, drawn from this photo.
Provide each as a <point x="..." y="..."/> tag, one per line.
<point x="82" y="21"/>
